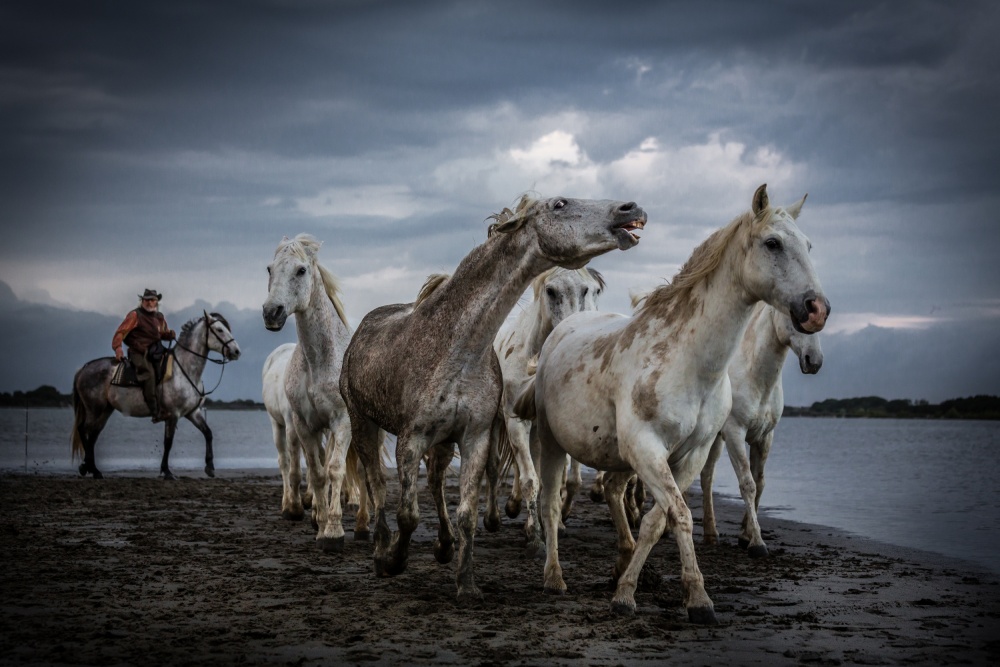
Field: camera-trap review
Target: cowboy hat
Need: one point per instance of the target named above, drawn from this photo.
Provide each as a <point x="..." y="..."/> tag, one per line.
<point x="151" y="294"/>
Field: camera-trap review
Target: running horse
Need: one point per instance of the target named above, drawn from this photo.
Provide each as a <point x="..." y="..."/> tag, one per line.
<point x="181" y="395"/>
<point x="649" y="394"/>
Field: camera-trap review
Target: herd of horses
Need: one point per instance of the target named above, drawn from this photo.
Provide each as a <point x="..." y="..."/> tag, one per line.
<point x="649" y="399"/>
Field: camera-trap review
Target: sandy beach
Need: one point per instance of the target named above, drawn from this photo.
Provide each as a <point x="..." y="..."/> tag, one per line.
<point x="134" y="570"/>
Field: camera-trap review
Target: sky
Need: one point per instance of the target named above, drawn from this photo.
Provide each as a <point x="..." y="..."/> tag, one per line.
<point x="173" y="144"/>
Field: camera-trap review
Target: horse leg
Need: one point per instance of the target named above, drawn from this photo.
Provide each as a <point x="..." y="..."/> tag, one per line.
<point x="366" y="440"/>
<point x="291" y="471"/>
<point x="527" y="484"/>
<point x="552" y="463"/>
<point x="475" y="450"/>
<point x="89" y="465"/>
<point x="614" y="488"/>
<point x="758" y="457"/>
<point x="438" y="460"/>
<point x="514" y="501"/>
<point x="169" y="428"/>
<point x="710" y="532"/>
<point x="355" y="480"/>
<point x="198" y="419"/>
<point x="749" y="538"/>
<point x="331" y="536"/>
<point x="574" y="480"/>
<point x="410" y="449"/>
<point x="491" y="518"/>
<point x="312" y="446"/>
<point x="597" y="488"/>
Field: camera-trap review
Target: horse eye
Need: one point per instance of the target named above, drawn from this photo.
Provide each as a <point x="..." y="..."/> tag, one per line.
<point x="551" y="292"/>
<point x="772" y="244"/>
<point x="559" y="204"/>
<point x="301" y="271"/>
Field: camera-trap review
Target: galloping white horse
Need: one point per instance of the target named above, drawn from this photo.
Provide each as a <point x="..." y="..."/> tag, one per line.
<point x="299" y="285"/>
<point x="758" y="400"/>
<point x="558" y="293"/>
<point x="95" y="398"/>
<point x="650" y="393"/>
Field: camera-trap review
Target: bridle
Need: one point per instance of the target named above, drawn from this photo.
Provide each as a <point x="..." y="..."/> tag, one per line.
<point x="222" y="362"/>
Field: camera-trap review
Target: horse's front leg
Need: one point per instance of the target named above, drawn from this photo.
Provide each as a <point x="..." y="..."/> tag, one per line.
<point x="366" y="441"/>
<point x="475" y="450"/>
<point x="758" y="458"/>
<point x="749" y="538"/>
<point x="597" y="488"/>
<point x="197" y="417"/>
<point x="552" y="463"/>
<point x="519" y="433"/>
<point x="647" y="453"/>
<point x="410" y="449"/>
<point x="312" y="447"/>
<point x="438" y="459"/>
<point x="614" y="485"/>
<point x="331" y="535"/>
<point x="169" y="428"/>
<point x="710" y="532"/>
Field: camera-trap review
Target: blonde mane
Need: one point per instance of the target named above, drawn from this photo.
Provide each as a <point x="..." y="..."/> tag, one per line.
<point x="433" y="281"/>
<point x="507" y="220"/>
<point x="305" y="247"/>
<point x="703" y="262"/>
<point x="539" y="282"/>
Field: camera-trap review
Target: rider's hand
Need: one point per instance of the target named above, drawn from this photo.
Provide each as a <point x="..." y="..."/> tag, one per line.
<point x="118" y="354"/>
<point x="168" y="335"/>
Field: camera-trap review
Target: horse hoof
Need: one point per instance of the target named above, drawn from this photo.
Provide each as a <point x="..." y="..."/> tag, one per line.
<point x="315" y="523"/>
<point x="469" y="595"/>
<point x="362" y="536"/>
<point x="554" y="591"/>
<point x="388" y="568"/>
<point x="534" y="550"/>
<point x="702" y="616"/>
<point x="596" y="497"/>
<point x="291" y="515"/>
<point x="743" y="543"/>
<point x="166" y="475"/>
<point x="757" y="551"/>
<point x="620" y="608"/>
<point x="98" y="474"/>
<point x="512" y="509"/>
<point x="444" y="553"/>
<point x="491" y="523"/>
<point x="210" y="471"/>
<point x="83" y="469"/>
<point x="330" y="544"/>
<point x="561" y="531"/>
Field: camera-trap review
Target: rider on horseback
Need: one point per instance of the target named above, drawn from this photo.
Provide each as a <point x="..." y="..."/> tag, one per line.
<point x="142" y="330"/>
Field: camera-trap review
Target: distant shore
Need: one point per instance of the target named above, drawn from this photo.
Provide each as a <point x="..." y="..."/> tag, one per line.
<point x="131" y="569"/>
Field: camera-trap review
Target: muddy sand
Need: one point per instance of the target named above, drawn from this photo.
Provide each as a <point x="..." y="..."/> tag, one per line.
<point x="134" y="570"/>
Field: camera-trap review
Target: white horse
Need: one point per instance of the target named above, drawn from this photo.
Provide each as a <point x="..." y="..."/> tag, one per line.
<point x="649" y="394"/>
<point x="558" y="293"/>
<point x="299" y="285"/>
<point x="181" y="395"/>
<point x="758" y="400"/>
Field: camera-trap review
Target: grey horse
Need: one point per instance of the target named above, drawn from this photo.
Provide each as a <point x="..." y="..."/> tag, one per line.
<point x="427" y="372"/>
<point x="95" y="398"/>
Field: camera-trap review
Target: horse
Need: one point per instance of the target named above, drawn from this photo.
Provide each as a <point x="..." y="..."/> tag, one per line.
<point x="758" y="400"/>
<point x="299" y="285"/>
<point x="427" y="371"/>
<point x="557" y="293"/>
<point x="182" y="395"/>
<point x="649" y="394"/>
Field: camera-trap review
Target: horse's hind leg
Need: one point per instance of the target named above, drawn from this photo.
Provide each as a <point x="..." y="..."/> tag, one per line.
<point x="438" y="460"/>
<point x="198" y="419"/>
<point x="614" y="495"/>
<point x="574" y="480"/>
<point x="89" y="438"/>
<point x="410" y="449"/>
<point x="169" y="427"/>
<point x="491" y="519"/>
<point x="597" y="488"/>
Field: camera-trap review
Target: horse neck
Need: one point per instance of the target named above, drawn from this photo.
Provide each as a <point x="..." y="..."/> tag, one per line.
<point x="761" y="352"/>
<point x="193" y="361"/>
<point x="474" y="302"/>
<point x="320" y="331"/>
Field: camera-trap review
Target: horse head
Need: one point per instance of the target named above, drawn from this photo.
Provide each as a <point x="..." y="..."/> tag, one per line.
<point x="562" y="292"/>
<point x="777" y="267"/>
<point x="806" y="347"/>
<point x="570" y="232"/>
<point x="220" y="336"/>
<point x="290" y="279"/>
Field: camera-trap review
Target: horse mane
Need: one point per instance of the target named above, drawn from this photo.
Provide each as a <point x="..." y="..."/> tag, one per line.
<point x="187" y="330"/>
<point x="305" y="246"/>
<point x="507" y="221"/>
<point x="433" y="281"/>
<point x="703" y="262"/>
<point x="585" y="272"/>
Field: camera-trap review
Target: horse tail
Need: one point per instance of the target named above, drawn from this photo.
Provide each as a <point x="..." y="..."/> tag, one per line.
<point x="353" y="479"/>
<point x="505" y="449"/>
<point x="79" y="418"/>
<point x="524" y="405"/>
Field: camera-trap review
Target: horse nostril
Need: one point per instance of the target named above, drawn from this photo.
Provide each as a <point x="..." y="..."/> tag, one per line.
<point x="625" y="208"/>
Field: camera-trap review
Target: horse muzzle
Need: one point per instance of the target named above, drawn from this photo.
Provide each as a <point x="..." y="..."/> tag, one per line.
<point x="274" y="317"/>
<point x="809" y="364"/>
<point x="809" y="315"/>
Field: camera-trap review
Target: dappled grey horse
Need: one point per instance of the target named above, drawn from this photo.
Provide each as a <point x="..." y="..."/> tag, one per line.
<point x="181" y="395"/>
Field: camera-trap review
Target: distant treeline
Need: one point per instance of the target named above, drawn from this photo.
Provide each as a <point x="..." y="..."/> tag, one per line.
<point x="974" y="407"/>
<point x="49" y="397"/>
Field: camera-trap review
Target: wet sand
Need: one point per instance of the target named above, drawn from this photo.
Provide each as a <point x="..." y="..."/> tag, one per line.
<point x="134" y="570"/>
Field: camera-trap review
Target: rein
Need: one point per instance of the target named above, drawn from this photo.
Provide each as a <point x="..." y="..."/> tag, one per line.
<point x="222" y="362"/>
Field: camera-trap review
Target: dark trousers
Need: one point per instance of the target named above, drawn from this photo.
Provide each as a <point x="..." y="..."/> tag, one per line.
<point x="145" y="371"/>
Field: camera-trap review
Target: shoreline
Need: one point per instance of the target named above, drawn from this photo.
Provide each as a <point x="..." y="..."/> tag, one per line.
<point x="130" y="566"/>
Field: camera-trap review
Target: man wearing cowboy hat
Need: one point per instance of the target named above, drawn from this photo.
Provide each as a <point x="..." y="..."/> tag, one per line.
<point x="142" y="330"/>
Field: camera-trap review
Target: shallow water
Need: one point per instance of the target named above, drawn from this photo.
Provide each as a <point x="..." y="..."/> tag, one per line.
<point x="924" y="484"/>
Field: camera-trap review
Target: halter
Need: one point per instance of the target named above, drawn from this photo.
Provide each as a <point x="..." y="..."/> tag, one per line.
<point x="222" y="362"/>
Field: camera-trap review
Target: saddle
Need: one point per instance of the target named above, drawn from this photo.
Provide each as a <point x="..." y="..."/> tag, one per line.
<point x="124" y="374"/>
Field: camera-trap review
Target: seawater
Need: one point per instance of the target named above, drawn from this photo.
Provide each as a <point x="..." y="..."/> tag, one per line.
<point x="916" y="483"/>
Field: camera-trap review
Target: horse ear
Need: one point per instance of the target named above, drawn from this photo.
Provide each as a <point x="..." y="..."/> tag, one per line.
<point x="285" y="239"/>
<point x="796" y="208"/>
<point x="760" y="201"/>
<point x="205" y="314"/>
